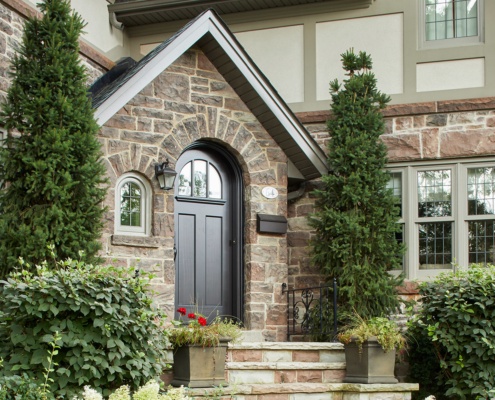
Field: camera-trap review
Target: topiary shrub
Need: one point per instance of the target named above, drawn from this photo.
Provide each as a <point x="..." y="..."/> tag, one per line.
<point x="458" y="312"/>
<point x="109" y="334"/>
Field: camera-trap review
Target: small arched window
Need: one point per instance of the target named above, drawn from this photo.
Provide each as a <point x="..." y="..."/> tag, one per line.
<point x="132" y="206"/>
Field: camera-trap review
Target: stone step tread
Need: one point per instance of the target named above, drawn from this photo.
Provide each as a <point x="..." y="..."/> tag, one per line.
<point x="300" y="346"/>
<point x="310" y="387"/>
<point x="275" y="365"/>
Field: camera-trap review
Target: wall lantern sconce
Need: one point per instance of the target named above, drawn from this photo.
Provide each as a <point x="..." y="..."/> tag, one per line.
<point x="165" y="175"/>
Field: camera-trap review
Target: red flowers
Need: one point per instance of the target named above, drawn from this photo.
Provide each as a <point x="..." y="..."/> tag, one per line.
<point x="199" y="319"/>
<point x="181" y="311"/>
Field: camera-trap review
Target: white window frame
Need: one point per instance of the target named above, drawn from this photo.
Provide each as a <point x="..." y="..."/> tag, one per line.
<point x="459" y="218"/>
<point x="146" y="192"/>
<point x="454" y="42"/>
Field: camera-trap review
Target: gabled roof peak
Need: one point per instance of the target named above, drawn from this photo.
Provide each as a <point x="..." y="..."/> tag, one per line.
<point x="221" y="47"/>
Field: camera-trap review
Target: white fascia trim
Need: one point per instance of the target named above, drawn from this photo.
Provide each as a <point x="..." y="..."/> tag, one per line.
<point x="236" y="54"/>
<point x="151" y="70"/>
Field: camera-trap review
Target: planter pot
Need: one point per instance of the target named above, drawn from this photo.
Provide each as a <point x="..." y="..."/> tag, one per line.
<point x="370" y="365"/>
<point x="200" y="367"/>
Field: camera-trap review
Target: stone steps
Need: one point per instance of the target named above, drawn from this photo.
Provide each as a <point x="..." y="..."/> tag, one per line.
<point x="294" y="371"/>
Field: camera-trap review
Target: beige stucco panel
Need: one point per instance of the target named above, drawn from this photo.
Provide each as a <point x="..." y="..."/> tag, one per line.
<point x="380" y="36"/>
<point x="279" y="53"/>
<point x="448" y="75"/>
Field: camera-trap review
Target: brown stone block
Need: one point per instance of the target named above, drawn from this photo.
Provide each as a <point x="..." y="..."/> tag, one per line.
<point x="466" y="104"/>
<point x="264" y="178"/>
<point x="464" y="144"/>
<point x="273" y="397"/>
<point x="191" y="126"/>
<point x="142" y="101"/>
<point x="255" y="272"/>
<point x="231" y="131"/>
<point x="254" y="150"/>
<point x="311" y="117"/>
<point x="402" y="147"/>
<point x="145" y="124"/>
<point x="144" y="163"/>
<point x="306" y="356"/>
<point x="141" y="137"/>
<point x="310" y="376"/>
<point x="172" y="147"/>
<point x="333" y="375"/>
<point x="276" y="314"/>
<point x="263" y="253"/>
<point x="461" y="118"/>
<point x="419" y="121"/>
<point x="209" y="74"/>
<point x="204" y="63"/>
<point x="169" y="271"/>
<point x="258" y="287"/>
<point x="409" y="109"/>
<point x="276" y="273"/>
<point x="163" y="224"/>
<point x="304" y="281"/>
<point x="389" y="126"/>
<point x="270" y="334"/>
<point x="117" y="146"/>
<point x="436" y="120"/>
<point x="212" y="121"/>
<point x="403" y="123"/>
<point x="285" y="376"/>
<point x="490" y="122"/>
<point x="181" y="108"/>
<point x="255" y="320"/>
<point x="222" y="88"/>
<point x="430" y="143"/>
<point x="208" y="100"/>
<point x="152" y="113"/>
<point x="241" y="139"/>
<point x="247" y="355"/>
<point x="121" y="122"/>
<point x="174" y="87"/>
<point x="235" y="104"/>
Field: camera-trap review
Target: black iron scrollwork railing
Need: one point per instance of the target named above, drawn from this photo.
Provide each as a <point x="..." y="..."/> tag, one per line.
<point x="312" y="311"/>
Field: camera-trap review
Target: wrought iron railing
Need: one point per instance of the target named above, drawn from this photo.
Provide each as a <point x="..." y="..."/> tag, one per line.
<point x="312" y="312"/>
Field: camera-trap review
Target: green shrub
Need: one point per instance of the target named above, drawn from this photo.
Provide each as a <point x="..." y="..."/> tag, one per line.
<point x="458" y="311"/>
<point x="424" y="364"/>
<point x="20" y="387"/>
<point x="109" y="333"/>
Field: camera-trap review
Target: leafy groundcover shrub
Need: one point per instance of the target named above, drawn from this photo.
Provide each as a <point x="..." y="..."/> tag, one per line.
<point x="458" y="311"/>
<point x="109" y="334"/>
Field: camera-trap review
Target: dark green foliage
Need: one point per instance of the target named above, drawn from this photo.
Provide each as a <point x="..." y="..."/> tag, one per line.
<point x="424" y="365"/>
<point x="110" y="333"/>
<point x="50" y="163"/>
<point x="21" y="387"/>
<point x="458" y="311"/>
<point x="356" y="217"/>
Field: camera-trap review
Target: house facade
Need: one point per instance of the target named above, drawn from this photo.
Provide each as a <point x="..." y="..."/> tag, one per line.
<point x="236" y="99"/>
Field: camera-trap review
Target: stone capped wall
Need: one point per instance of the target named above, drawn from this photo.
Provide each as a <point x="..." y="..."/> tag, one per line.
<point x="191" y="101"/>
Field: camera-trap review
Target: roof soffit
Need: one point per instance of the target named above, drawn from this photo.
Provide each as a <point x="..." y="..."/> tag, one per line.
<point x="209" y="32"/>
<point x="136" y="13"/>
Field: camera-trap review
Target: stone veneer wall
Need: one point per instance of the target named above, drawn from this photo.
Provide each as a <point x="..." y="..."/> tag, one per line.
<point x="191" y="101"/>
<point x="413" y="132"/>
<point x="13" y="13"/>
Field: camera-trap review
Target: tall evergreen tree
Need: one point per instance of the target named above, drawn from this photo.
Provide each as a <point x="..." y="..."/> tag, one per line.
<point x="53" y="181"/>
<point x="356" y="216"/>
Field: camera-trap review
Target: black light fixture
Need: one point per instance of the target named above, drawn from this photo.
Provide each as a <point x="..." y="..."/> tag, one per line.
<point x="165" y="175"/>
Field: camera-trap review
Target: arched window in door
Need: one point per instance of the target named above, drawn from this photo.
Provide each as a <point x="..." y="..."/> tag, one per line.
<point x="200" y="179"/>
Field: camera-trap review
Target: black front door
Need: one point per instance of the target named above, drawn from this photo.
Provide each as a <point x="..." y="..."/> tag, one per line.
<point x="205" y="235"/>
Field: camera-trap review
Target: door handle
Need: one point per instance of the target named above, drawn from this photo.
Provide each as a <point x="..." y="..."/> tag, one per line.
<point x="175" y="252"/>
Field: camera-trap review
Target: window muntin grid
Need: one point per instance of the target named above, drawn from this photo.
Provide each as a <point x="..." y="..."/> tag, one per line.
<point x="448" y="19"/>
<point x="435" y="193"/>
<point x="199" y="178"/>
<point x="435" y="245"/>
<point x="130" y="204"/>
<point x="481" y="243"/>
<point x="481" y="191"/>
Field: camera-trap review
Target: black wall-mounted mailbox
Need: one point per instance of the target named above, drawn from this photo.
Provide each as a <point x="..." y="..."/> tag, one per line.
<point x="271" y="223"/>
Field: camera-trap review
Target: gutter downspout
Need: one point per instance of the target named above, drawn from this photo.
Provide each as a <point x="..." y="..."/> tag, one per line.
<point x="114" y="22"/>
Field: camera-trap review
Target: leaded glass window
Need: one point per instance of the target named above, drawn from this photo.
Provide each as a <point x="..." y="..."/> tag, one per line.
<point x="449" y="19"/>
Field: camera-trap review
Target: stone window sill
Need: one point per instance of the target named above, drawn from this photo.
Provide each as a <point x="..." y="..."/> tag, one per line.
<point x="136" y="241"/>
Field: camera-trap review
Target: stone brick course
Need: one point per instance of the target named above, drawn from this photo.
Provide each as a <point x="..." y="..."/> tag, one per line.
<point x="191" y="101"/>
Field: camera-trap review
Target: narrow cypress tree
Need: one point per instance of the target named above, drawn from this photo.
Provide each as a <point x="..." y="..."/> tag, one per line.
<point x="53" y="181"/>
<point x="356" y="216"/>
